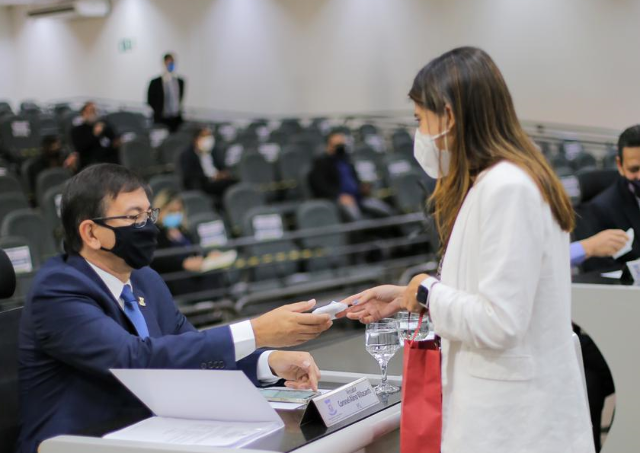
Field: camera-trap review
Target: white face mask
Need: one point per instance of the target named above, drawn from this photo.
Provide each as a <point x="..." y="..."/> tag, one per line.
<point x="206" y="144"/>
<point x="433" y="161"/>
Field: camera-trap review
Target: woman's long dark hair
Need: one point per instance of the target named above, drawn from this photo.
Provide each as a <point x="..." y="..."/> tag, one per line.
<point x="486" y="131"/>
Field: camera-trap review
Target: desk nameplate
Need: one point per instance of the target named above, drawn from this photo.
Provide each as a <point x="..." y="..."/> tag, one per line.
<point x="341" y="403"/>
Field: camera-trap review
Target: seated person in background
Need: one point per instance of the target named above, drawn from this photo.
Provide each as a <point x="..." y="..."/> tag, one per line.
<point x="198" y="168"/>
<point x="174" y="235"/>
<point x="334" y="177"/>
<point x="618" y="207"/>
<point x="601" y="245"/>
<point x="93" y="140"/>
<point x="51" y="156"/>
<point x="100" y="307"/>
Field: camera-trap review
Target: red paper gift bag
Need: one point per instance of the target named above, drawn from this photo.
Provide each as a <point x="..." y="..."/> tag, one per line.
<point x="421" y="419"/>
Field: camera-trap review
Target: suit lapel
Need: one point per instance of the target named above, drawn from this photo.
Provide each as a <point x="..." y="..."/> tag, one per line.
<point x="108" y="304"/>
<point x="630" y="206"/>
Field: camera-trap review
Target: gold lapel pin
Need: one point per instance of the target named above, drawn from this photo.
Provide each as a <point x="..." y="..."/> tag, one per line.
<point x="142" y="302"/>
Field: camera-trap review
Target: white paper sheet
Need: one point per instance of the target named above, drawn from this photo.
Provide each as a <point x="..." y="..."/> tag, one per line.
<point x="198" y="407"/>
<point x="179" y="431"/>
<point x="616" y="275"/>
<point x="627" y="247"/>
<point x="221" y="395"/>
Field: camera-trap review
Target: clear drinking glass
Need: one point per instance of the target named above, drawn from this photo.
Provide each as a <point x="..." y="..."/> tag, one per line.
<point x="408" y="323"/>
<point x="382" y="341"/>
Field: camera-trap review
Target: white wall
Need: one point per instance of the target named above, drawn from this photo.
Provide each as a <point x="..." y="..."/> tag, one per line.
<point x="7" y="61"/>
<point x="569" y="61"/>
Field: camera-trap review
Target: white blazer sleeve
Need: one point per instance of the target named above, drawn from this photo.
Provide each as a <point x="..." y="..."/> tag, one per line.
<point x="510" y="238"/>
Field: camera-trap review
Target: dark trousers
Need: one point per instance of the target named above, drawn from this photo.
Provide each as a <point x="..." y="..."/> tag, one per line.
<point x="173" y="123"/>
<point x="599" y="383"/>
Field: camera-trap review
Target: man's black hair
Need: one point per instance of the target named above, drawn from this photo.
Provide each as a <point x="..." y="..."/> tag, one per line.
<point x="168" y="56"/>
<point x="85" y="197"/>
<point x="630" y="138"/>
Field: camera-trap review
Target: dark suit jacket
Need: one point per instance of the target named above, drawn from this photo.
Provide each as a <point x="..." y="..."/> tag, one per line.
<point x="73" y="331"/>
<point x="94" y="150"/>
<point x="193" y="177"/>
<point x="615" y="208"/>
<point x="155" y="96"/>
<point x="324" y="177"/>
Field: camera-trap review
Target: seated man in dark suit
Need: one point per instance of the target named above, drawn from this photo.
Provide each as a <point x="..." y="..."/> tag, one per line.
<point x="334" y="177"/>
<point x="100" y="307"/>
<point x="94" y="141"/>
<point x="199" y="169"/>
<point x="165" y="95"/>
<point x="618" y="207"/>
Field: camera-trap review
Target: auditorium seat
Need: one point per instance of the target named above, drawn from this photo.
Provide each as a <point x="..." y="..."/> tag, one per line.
<point x="30" y="225"/>
<point x="28" y="266"/>
<point x="265" y="223"/>
<point x="368" y="129"/>
<point x="315" y="214"/>
<point x="593" y="182"/>
<point x="5" y="108"/>
<point x="29" y="108"/>
<point x="127" y="123"/>
<point x="10" y="184"/>
<point x="51" y="177"/>
<point x="172" y="147"/>
<point x="47" y="124"/>
<point x="408" y="192"/>
<point x="196" y="202"/>
<point x="158" y="183"/>
<point x="138" y="155"/>
<point x="293" y="160"/>
<point x="583" y="161"/>
<point x="20" y="136"/>
<point x="239" y="199"/>
<point x="254" y="169"/>
<point x="50" y="207"/>
<point x="401" y="139"/>
<point x="10" y="202"/>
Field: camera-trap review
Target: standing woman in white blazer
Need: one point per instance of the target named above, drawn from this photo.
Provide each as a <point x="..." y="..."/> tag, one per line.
<point x="511" y="381"/>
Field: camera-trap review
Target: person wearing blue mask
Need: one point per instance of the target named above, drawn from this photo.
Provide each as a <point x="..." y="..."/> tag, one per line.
<point x="165" y="95"/>
<point x="174" y="234"/>
<point x="618" y="207"/>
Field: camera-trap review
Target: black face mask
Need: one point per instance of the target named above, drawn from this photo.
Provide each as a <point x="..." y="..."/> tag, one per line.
<point x="340" y="150"/>
<point x="635" y="186"/>
<point x="135" y="246"/>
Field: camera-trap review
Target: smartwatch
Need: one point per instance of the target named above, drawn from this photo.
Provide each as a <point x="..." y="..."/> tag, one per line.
<point x="422" y="296"/>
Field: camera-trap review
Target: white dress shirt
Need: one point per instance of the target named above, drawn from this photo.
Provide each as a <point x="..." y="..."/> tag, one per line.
<point x="208" y="167"/>
<point x="244" y="340"/>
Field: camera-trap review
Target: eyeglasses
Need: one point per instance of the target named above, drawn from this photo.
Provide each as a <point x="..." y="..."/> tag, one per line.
<point x="139" y="220"/>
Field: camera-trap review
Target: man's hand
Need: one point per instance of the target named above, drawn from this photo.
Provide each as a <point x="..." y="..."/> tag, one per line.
<point x="98" y="129"/>
<point x="289" y="326"/>
<point x="409" y="301"/>
<point x="298" y="368"/>
<point x="374" y="304"/>
<point x="604" y="244"/>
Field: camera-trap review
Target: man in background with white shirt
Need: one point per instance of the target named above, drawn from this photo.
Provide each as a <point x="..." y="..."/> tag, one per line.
<point x="199" y="168"/>
<point x="100" y="307"/>
<point x="165" y="95"/>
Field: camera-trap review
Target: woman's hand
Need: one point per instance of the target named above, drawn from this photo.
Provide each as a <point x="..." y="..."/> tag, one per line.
<point x="409" y="301"/>
<point x="374" y="304"/>
<point x="193" y="263"/>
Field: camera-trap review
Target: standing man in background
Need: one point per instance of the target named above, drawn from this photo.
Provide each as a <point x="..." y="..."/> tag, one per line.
<point x="165" y="95"/>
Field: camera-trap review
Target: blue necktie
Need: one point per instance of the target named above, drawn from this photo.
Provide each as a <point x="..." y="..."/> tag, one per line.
<point x="133" y="312"/>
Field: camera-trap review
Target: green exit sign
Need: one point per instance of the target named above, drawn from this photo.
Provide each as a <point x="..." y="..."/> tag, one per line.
<point x="125" y="45"/>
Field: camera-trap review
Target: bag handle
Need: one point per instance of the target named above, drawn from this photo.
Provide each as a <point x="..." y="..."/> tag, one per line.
<point x="415" y="334"/>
